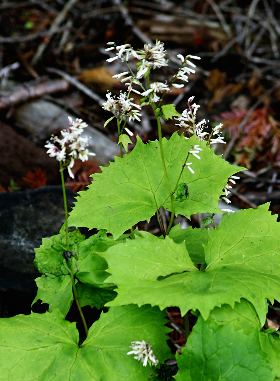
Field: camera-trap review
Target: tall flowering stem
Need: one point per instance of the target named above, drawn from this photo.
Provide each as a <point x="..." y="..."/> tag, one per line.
<point x="138" y="78"/>
<point x="159" y="130"/>
<point x="71" y="145"/>
<point x="194" y="151"/>
<point x="61" y="170"/>
<point x="75" y="295"/>
<point x="119" y="134"/>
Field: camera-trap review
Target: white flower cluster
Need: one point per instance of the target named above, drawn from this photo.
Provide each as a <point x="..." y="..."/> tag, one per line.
<point x="151" y="57"/>
<point x="143" y="352"/>
<point x="228" y="187"/>
<point x="187" y="68"/>
<point x="188" y="121"/>
<point x="154" y="90"/>
<point x="70" y="146"/>
<point x="122" y="107"/>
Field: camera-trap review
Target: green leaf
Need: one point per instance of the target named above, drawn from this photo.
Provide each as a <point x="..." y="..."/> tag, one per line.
<point x="125" y="141"/>
<point x="45" y="347"/>
<point x="270" y="344"/>
<point x="49" y="256"/>
<point x="147" y="257"/>
<point x="132" y="188"/>
<point x="169" y="111"/>
<point x="227" y="347"/>
<point x="55" y="287"/>
<point x="94" y="296"/>
<point x="242" y="257"/>
<point x="91" y="266"/>
<point x="55" y="291"/>
<point x="194" y="239"/>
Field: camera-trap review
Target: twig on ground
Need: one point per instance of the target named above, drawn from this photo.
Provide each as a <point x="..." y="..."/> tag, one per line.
<point x="29" y="37"/>
<point x="28" y="91"/>
<point x="57" y="21"/>
<point x="220" y="17"/>
<point x="76" y="83"/>
<point x="129" y="22"/>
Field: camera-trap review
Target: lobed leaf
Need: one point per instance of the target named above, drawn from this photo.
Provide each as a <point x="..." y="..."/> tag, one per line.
<point x="134" y="187"/>
<point x="56" y="291"/>
<point x="45" y="347"/>
<point x="228" y="347"/>
<point x="55" y="287"/>
<point x="242" y="257"/>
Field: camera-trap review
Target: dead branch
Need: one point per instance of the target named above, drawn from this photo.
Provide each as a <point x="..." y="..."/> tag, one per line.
<point x="28" y="91"/>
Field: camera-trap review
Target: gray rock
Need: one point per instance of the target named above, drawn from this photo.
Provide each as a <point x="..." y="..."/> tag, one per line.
<point x="41" y="118"/>
<point x="26" y="217"/>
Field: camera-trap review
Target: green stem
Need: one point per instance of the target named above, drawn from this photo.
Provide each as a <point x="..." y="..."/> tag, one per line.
<point x="161" y="224"/>
<point x="119" y="134"/>
<point x="164" y="168"/>
<point x="172" y="194"/>
<point x="61" y="170"/>
<point x="75" y="294"/>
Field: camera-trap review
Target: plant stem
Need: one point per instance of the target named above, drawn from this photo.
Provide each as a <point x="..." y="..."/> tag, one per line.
<point x="75" y="294"/>
<point x="119" y="133"/>
<point x="61" y="170"/>
<point x="164" y="168"/>
<point x="161" y="224"/>
<point x="177" y="183"/>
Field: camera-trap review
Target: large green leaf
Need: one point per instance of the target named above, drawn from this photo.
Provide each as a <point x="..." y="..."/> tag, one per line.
<point x="45" y="347"/>
<point x="242" y="257"/>
<point x="132" y="188"/>
<point x="227" y="347"/>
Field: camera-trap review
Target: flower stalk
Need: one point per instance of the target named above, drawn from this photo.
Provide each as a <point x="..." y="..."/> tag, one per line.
<point x="71" y="145"/>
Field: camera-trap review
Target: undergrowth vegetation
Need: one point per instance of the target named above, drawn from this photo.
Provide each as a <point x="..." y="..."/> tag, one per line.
<point x="223" y="276"/>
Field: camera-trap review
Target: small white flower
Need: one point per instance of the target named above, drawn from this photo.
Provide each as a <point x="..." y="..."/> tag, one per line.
<point x="216" y="135"/>
<point x="181" y="57"/>
<point x="188" y="121"/>
<point x="123" y="52"/>
<point x="120" y="75"/>
<point x="226" y="210"/>
<point x="130" y="133"/>
<point x="189" y="167"/>
<point x="143" y="352"/>
<point x="185" y="70"/>
<point x="228" y="187"/>
<point x="178" y="85"/>
<point x="195" y="151"/>
<point x="155" y="89"/>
